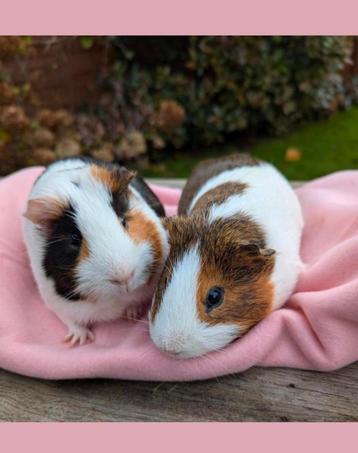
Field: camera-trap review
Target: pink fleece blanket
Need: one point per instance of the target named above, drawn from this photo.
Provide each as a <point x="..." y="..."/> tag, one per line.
<point x="317" y="328"/>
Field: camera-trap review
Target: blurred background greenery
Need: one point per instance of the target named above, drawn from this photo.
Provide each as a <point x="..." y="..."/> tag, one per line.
<point x="160" y="104"/>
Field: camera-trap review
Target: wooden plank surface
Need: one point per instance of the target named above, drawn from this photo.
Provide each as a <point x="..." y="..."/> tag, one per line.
<point x="180" y="182"/>
<point x="259" y="394"/>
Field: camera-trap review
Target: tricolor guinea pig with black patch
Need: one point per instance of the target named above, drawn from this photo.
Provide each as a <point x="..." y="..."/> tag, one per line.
<point x="95" y="241"/>
<point x="234" y="256"/>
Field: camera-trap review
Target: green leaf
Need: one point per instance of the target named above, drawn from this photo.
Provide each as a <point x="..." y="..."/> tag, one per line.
<point x="87" y="42"/>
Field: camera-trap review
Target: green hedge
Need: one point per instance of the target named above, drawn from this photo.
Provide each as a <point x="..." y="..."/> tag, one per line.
<point x="203" y="90"/>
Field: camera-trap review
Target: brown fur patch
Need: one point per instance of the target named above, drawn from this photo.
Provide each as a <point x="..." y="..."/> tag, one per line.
<point x="218" y="195"/>
<point x="43" y="211"/>
<point x="84" y="250"/>
<point x="142" y="229"/>
<point x="116" y="180"/>
<point x="228" y="260"/>
<point x="206" y="170"/>
<point x="237" y="230"/>
<point x="244" y="304"/>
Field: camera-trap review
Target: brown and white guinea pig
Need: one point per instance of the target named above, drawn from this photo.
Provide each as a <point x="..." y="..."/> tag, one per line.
<point x="95" y="241"/>
<point x="234" y="256"/>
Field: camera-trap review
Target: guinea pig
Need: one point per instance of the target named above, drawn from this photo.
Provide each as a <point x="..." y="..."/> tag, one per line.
<point x="95" y="241"/>
<point x="234" y="256"/>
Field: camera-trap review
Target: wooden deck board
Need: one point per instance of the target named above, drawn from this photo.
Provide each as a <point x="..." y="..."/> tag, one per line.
<point x="180" y="182"/>
<point x="259" y="394"/>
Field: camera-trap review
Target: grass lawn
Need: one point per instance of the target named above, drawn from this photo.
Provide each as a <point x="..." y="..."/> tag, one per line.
<point x="325" y="147"/>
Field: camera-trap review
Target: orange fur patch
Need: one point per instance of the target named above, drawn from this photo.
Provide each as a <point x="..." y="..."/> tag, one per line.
<point x="245" y="304"/>
<point x="106" y="177"/>
<point x="42" y="211"/>
<point x="84" y="251"/>
<point x="141" y="229"/>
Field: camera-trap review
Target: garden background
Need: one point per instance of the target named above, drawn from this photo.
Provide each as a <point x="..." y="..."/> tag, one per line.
<point x="160" y="104"/>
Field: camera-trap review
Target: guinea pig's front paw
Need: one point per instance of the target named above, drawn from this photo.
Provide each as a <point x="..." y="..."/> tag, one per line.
<point x="78" y="334"/>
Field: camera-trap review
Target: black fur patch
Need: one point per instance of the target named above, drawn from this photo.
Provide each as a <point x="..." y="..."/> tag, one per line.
<point x="120" y="203"/>
<point x="120" y="199"/>
<point x="139" y="184"/>
<point x="61" y="253"/>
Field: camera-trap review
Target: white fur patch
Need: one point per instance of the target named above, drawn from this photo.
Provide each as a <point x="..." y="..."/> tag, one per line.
<point x="177" y="328"/>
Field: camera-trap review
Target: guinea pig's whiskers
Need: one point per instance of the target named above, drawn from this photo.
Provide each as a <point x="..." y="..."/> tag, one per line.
<point x="65" y="268"/>
<point x="220" y="350"/>
<point x="138" y="320"/>
<point x="55" y="240"/>
<point x="72" y="293"/>
<point x="89" y="292"/>
<point x="212" y="362"/>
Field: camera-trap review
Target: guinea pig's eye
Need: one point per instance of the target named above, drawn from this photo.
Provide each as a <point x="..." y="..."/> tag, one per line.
<point x="75" y="239"/>
<point x="214" y="298"/>
<point x="124" y="222"/>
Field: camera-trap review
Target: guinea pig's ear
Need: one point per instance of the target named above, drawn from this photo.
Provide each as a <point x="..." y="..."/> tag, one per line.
<point x="174" y="227"/>
<point x="252" y="260"/>
<point x="127" y="175"/>
<point x="166" y="222"/>
<point x="253" y="249"/>
<point x="41" y="211"/>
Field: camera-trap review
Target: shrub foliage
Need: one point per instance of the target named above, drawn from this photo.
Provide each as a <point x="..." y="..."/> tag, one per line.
<point x="177" y="92"/>
<point x="218" y="86"/>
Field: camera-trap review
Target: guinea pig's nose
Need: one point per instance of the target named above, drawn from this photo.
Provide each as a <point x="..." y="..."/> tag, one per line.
<point x="173" y="346"/>
<point x="122" y="279"/>
<point x="171" y="350"/>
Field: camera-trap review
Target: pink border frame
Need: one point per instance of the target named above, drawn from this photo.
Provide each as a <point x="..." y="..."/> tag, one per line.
<point x="161" y="17"/>
<point x="224" y="17"/>
<point x="179" y="438"/>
